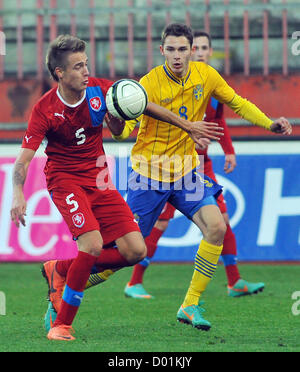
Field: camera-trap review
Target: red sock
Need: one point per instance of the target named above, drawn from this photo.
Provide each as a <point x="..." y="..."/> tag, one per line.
<point x="137" y="274"/>
<point x="140" y="268"/>
<point x="152" y="241"/>
<point x="78" y="274"/>
<point x="109" y="258"/>
<point x="229" y="254"/>
<point x="232" y="274"/>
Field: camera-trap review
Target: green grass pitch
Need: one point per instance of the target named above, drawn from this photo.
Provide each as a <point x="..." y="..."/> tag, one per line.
<point x="109" y="322"/>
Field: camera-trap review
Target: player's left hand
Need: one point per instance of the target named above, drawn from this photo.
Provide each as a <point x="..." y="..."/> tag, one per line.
<point x="114" y="124"/>
<point x="281" y="126"/>
<point x="230" y="163"/>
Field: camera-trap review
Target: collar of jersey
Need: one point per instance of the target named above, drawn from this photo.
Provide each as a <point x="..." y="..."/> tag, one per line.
<point x="177" y="80"/>
<point x="68" y="104"/>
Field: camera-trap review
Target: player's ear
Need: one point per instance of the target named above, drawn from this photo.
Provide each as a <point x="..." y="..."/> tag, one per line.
<point x="211" y="52"/>
<point x="161" y="48"/>
<point x="59" y="72"/>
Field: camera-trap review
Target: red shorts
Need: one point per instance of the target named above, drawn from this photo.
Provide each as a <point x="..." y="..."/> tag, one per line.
<point x="88" y="208"/>
<point x="208" y="170"/>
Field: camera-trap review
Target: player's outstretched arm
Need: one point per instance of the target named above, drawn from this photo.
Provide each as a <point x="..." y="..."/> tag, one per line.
<point x="18" y="209"/>
<point x="196" y="130"/>
<point x="250" y="112"/>
<point x="281" y="126"/>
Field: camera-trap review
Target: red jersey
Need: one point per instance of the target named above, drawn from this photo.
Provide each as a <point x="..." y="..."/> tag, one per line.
<point x="73" y="134"/>
<point x="214" y="113"/>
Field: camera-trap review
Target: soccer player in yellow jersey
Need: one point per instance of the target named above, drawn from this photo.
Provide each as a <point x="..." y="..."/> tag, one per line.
<point x="165" y="162"/>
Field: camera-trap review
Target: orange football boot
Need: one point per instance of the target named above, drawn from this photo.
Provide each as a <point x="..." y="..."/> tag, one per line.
<point x="61" y="332"/>
<point x="56" y="283"/>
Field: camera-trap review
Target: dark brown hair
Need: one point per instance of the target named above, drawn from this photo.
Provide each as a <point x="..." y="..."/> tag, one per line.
<point x="205" y="34"/>
<point x="58" y="51"/>
<point x="177" y="29"/>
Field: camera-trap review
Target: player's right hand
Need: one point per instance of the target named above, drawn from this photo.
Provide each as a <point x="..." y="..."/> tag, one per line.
<point x="281" y="126"/>
<point x="204" y="129"/>
<point x="18" y="210"/>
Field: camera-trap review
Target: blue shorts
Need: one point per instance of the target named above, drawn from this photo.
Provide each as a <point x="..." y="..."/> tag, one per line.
<point x="147" y="197"/>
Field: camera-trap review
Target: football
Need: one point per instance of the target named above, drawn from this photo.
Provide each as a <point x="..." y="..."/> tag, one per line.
<point x="126" y="99"/>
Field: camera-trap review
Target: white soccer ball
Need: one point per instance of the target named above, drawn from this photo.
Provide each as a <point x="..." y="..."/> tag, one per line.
<point x="126" y="99"/>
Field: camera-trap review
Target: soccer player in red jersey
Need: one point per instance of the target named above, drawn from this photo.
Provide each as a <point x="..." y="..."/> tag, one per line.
<point x="70" y="116"/>
<point x="214" y="112"/>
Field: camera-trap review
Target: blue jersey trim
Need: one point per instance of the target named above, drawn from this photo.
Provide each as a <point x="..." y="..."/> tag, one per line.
<point x="214" y="103"/>
<point x="171" y="77"/>
<point x="174" y="79"/>
<point x="96" y="114"/>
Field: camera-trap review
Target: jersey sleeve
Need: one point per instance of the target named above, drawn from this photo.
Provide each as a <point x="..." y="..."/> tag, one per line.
<point x="241" y="106"/>
<point x="36" y="130"/>
<point x="105" y="84"/>
<point x="128" y="129"/>
<point x="248" y="111"/>
<point x="222" y="91"/>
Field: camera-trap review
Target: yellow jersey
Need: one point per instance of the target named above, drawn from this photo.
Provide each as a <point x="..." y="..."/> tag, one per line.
<point x="162" y="151"/>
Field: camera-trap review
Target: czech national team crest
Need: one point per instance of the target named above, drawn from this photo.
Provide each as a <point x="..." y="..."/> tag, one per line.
<point x="78" y="219"/>
<point x="95" y="103"/>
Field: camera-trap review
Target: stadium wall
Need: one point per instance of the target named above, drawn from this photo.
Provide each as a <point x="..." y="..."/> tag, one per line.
<point x="274" y="94"/>
<point x="262" y="195"/>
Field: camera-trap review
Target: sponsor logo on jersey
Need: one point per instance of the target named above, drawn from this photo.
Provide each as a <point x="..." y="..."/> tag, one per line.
<point x="27" y="138"/>
<point x="59" y="115"/>
<point x="78" y="219"/>
<point x="95" y="103"/>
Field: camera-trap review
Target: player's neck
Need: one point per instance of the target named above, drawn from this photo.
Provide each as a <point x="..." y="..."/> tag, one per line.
<point x="179" y="76"/>
<point x="70" y="96"/>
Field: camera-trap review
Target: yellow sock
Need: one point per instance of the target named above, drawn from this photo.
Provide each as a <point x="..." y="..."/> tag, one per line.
<point x="98" y="278"/>
<point x="205" y="265"/>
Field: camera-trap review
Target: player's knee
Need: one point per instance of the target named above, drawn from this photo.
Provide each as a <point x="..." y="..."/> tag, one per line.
<point x="95" y="250"/>
<point x="138" y="252"/>
<point x="216" y="232"/>
<point x="90" y="243"/>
